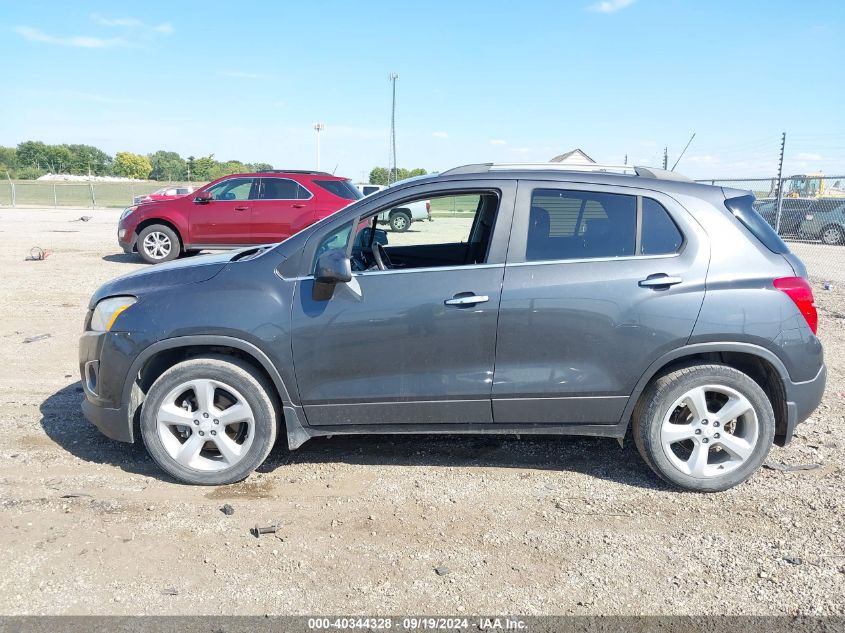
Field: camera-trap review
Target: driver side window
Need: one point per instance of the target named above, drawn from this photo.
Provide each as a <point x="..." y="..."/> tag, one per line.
<point x="426" y="232"/>
<point x="232" y="189"/>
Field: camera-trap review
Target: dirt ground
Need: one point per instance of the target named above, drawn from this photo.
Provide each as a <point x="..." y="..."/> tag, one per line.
<point x="531" y="526"/>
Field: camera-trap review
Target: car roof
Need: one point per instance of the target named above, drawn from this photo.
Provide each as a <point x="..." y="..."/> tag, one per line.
<point x="619" y="175"/>
<point x="264" y="173"/>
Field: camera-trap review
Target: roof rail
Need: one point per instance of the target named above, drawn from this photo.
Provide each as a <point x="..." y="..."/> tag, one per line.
<point x="310" y="172"/>
<point x="631" y="170"/>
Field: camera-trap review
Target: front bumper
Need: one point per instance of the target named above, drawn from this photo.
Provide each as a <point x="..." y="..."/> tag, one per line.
<point x="113" y="423"/>
<point x="104" y="361"/>
<point x="802" y="398"/>
<point x="128" y="241"/>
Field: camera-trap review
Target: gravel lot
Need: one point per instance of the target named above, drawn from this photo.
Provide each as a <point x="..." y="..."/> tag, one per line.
<point x="532" y="526"/>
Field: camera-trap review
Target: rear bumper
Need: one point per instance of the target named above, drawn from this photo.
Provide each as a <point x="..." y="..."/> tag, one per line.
<point x="802" y="398"/>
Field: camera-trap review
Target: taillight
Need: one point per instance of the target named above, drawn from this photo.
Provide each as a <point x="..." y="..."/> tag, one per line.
<point x="797" y="289"/>
<point x="427" y="207"/>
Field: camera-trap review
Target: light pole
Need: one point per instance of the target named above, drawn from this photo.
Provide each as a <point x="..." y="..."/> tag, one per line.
<point x="318" y="127"/>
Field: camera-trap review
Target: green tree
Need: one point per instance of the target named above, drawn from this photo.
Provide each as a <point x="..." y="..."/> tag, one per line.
<point x="8" y="161"/>
<point x="58" y="158"/>
<point x="88" y="159"/>
<point x="32" y="154"/>
<point x="260" y="167"/>
<point x="167" y="166"/>
<point x="229" y="167"/>
<point x="132" y="165"/>
<point x="201" y="168"/>
<point x="379" y="176"/>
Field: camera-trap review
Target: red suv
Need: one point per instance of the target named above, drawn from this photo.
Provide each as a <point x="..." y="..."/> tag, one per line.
<point x="233" y="211"/>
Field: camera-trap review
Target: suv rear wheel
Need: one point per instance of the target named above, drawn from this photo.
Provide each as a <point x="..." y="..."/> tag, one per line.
<point x="704" y="428"/>
<point x="400" y="221"/>
<point x="158" y="243"/>
<point x="209" y="420"/>
<point x="833" y="235"/>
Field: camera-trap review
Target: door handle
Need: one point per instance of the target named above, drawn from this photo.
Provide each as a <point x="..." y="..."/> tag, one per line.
<point x="241" y="208"/>
<point x="298" y="206"/>
<point x="466" y="300"/>
<point x="660" y="280"/>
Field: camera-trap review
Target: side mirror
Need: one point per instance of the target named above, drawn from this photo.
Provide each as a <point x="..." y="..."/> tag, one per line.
<point x="203" y="197"/>
<point x="333" y="267"/>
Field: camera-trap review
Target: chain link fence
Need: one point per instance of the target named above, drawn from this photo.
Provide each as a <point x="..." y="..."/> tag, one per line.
<point x="808" y="211"/>
<point x="92" y="195"/>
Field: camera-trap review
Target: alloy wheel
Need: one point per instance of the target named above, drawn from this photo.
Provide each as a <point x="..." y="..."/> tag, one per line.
<point x="206" y="425"/>
<point x="709" y="431"/>
<point x="157" y="245"/>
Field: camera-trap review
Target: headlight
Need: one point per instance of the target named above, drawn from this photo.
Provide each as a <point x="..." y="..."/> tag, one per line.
<point x="107" y="312"/>
<point x="127" y="211"/>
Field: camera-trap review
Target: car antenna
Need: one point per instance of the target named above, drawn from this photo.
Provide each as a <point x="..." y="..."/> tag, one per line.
<point x="335" y="168"/>
<point x="682" y="153"/>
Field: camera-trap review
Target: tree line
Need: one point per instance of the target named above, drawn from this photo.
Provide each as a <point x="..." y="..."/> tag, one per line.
<point x="32" y="159"/>
<point x="382" y="176"/>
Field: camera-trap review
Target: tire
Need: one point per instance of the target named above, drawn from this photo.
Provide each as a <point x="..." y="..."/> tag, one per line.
<point x="832" y="234"/>
<point x="158" y="243"/>
<point x="228" y="451"/>
<point x="400" y="221"/>
<point x="700" y="456"/>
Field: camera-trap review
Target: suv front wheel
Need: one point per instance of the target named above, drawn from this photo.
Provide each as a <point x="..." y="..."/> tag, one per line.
<point x="209" y="420"/>
<point x="704" y="428"/>
<point x="158" y="243"/>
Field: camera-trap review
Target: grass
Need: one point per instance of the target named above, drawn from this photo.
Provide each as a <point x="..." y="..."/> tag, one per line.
<point x="50" y="194"/>
<point x="453" y="205"/>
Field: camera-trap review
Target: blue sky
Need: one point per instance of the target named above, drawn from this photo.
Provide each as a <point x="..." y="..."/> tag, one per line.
<point x="479" y="81"/>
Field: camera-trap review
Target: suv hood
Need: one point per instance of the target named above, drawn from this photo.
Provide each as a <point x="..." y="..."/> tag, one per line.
<point x="158" y="276"/>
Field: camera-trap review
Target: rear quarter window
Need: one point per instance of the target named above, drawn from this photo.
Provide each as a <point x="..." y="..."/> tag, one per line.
<point x="340" y="188"/>
<point x="743" y="210"/>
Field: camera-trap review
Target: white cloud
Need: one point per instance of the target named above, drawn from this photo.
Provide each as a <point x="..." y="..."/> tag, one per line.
<point x="134" y="30"/>
<point x="440" y="135"/>
<point x="125" y="22"/>
<point x="610" y="6"/>
<point x="498" y="141"/>
<point x="808" y="156"/>
<point x="78" y="41"/>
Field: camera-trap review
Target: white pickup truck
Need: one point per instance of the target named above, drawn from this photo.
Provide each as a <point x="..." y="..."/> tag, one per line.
<point x="400" y="218"/>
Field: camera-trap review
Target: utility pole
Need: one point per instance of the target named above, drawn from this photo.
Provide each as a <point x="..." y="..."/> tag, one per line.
<point x="318" y="127"/>
<point x="780" y="182"/>
<point x="666" y="157"/>
<point x="626" y="159"/>
<point x="391" y="167"/>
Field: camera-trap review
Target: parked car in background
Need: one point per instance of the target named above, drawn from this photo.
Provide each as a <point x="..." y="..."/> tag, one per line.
<point x="165" y="193"/>
<point x="233" y="211"/>
<point x="792" y="213"/>
<point x="567" y="302"/>
<point x="368" y="189"/>
<point x="399" y="219"/>
<point x="825" y="221"/>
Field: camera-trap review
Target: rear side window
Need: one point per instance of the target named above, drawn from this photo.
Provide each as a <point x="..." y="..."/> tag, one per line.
<point x="282" y="189"/>
<point x="340" y="188"/>
<point x="580" y="224"/>
<point x="743" y="210"/>
<point x="660" y="234"/>
<point x="369" y="190"/>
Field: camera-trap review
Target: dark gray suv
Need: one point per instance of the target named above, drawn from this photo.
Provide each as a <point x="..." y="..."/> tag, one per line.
<point x="544" y="300"/>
